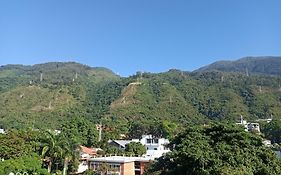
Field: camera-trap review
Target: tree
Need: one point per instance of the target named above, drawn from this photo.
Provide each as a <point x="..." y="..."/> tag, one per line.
<point x="30" y="164"/>
<point x="272" y="131"/>
<point x="52" y="149"/>
<point x="59" y="148"/>
<point x="81" y="131"/>
<point x="170" y="129"/>
<point x="217" y="149"/>
<point x="15" y="143"/>
<point x="135" y="148"/>
<point x="71" y="156"/>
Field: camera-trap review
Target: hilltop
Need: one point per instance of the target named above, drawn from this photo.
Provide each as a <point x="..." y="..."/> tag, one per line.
<point x="251" y="65"/>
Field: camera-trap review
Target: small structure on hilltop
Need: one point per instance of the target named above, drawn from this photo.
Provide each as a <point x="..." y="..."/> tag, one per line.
<point x="2" y="131"/>
<point x="250" y="127"/>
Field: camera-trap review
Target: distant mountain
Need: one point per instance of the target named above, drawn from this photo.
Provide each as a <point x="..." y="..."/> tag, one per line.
<point x="252" y="65"/>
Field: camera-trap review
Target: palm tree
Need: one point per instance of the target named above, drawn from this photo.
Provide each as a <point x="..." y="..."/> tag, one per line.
<point x="52" y="148"/>
<point x="70" y="153"/>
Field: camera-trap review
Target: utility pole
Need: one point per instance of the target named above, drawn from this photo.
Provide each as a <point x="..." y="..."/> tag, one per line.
<point x="170" y="99"/>
<point x="41" y="76"/>
<point x="247" y="72"/>
<point x="99" y="127"/>
<point x="50" y="105"/>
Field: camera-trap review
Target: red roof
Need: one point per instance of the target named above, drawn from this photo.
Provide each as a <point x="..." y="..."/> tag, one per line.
<point x="90" y="151"/>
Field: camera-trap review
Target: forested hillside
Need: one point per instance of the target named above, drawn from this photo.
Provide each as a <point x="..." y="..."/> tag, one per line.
<point x="46" y="95"/>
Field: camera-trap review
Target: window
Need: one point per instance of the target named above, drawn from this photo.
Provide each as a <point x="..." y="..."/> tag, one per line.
<point x="148" y="140"/>
<point x="155" y="148"/>
<point x="137" y="165"/>
<point x="156" y="140"/>
<point x="114" y="167"/>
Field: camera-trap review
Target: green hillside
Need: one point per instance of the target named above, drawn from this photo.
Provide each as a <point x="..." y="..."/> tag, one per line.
<point x="29" y="101"/>
<point x="69" y="90"/>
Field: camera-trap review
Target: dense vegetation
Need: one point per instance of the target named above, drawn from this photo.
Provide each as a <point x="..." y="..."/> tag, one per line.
<point x="45" y="151"/>
<point x="69" y="90"/>
<point x="218" y="150"/>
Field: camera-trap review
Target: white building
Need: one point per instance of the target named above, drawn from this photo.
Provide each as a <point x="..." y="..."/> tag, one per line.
<point x="155" y="147"/>
<point x="250" y="127"/>
<point x="2" y="131"/>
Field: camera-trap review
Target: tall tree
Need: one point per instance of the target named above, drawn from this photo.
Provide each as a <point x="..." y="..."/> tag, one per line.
<point x="217" y="149"/>
<point x="135" y="148"/>
<point x="272" y="131"/>
<point x="52" y="149"/>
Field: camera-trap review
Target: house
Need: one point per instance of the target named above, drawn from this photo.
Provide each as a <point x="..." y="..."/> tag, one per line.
<point x="119" y="165"/>
<point x="155" y="146"/>
<point x="2" y="131"/>
<point x="250" y="127"/>
<point x="85" y="154"/>
<point x="253" y="127"/>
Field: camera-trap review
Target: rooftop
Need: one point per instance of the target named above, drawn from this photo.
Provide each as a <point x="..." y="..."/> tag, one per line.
<point x="122" y="142"/>
<point x="120" y="159"/>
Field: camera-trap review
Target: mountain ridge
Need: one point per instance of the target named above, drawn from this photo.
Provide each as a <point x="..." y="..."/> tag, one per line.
<point x="267" y="65"/>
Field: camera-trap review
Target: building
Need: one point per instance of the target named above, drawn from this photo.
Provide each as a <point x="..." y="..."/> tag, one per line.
<point x="253" y="127"/>
<point x="250" y="127"/>
<point x="85" y="154"/>
<point x="119" y="165"/>
<point x="2" y="131"/>
<point x="155" y="147"/>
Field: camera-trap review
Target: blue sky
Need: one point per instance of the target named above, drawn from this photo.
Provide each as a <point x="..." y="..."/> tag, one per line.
<point x="138" y="35"/>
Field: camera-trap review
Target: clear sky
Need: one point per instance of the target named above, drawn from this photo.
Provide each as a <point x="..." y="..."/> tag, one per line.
<point x="138" y="35"/>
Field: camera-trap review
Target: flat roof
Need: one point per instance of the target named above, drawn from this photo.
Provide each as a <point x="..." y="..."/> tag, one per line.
<point x="120" y="159"/>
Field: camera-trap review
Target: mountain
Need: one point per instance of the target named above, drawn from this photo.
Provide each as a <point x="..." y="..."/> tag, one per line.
<point x="252" y="65"/>
<point x="47" y="95"/>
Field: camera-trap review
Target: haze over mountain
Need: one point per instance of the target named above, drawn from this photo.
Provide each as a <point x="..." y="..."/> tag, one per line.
<point x="46" y="95"/>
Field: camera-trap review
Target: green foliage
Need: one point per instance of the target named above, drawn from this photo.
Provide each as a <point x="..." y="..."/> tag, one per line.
<point x="217" y="149"/>
<point x="15" y="143"/>
<point x="166" y="129"/>
<point x="272" y="131"/>
<point x="60" y="150"/>
<point x="98" y="95"/>
<point x="31" y="164"/>
<point x="135" y="148"/>
<point x="81" y="131"/>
